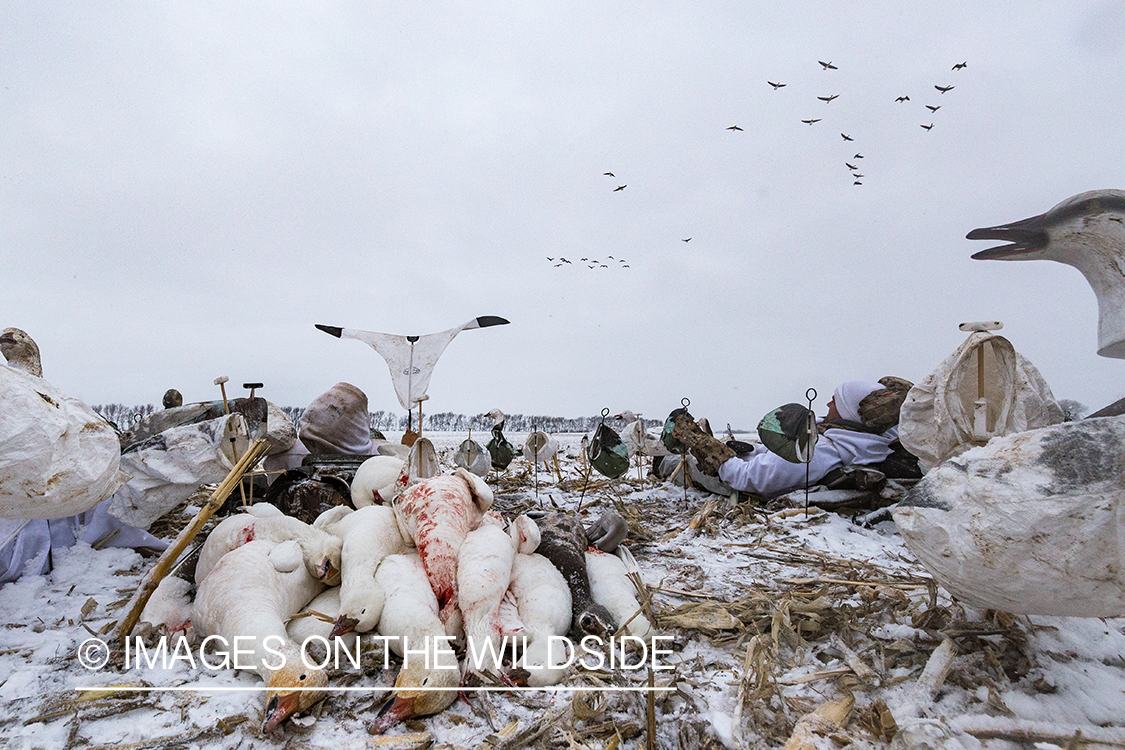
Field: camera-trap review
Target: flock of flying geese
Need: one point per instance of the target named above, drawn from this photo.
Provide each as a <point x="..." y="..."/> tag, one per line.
<point x="851" y="163"/>
<point x="857" y="176"/>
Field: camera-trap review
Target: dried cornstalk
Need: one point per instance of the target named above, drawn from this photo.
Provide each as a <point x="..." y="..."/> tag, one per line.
<point x="826" y="719"/>
<point x="153" y="577"/>
<point x="1028" y="732"/>
<point x="408" y="741"/>
<point x="865" y="673"/>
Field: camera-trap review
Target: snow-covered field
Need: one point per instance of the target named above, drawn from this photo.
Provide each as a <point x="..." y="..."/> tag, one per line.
<point x="778" y="614"/>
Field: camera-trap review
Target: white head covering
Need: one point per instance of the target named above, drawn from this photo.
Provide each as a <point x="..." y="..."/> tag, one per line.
<point x="848" y="396"/>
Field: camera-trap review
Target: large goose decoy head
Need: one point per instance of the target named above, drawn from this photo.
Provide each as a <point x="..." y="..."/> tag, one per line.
<point x="1086" y="231"/>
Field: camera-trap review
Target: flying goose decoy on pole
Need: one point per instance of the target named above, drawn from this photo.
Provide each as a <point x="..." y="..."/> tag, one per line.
<point x="411" y="359"/>
<point x="1086" y="231"/>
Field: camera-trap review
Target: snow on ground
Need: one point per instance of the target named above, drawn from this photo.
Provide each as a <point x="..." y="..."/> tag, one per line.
<point x="804" y="586"/>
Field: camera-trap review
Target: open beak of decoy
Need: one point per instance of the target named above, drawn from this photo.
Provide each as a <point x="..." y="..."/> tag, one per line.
<point x="344" y="624"/>
<point x="279" y="708"/>
<point x="394" y="709"/>
<point x="1028" y="239"/>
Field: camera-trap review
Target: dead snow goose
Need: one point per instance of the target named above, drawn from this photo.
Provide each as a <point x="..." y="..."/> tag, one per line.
<point x="426" y="684"/>
<point x="370" y="535"/>
<point x="544" y="606"/>
<point x="611" y="587"/>
<point x="251" y="594"/>
<point x="378" y="480"/>
<point x="563" y="542"/>
<point x="321" y="550"/>
<point x="434" y="516"/>
<point x="484" y="571"/>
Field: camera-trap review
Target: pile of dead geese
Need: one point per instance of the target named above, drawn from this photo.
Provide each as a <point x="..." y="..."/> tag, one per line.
<point x="435" y="576"/>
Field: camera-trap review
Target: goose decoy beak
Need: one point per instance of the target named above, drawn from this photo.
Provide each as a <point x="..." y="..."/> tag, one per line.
<point x="1028" y="239"/>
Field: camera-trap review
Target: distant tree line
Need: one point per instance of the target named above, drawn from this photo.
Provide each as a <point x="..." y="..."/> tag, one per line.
<point x="386" y="421"/>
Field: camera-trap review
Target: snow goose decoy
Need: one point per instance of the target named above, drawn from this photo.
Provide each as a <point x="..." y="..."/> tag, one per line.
<point x="21" y="351"/>
<point x="435" y="516"/>
<point x="469" y="455"/>
<point x="251" y="593"/>
<point x="1086" y="231"/>
<point x="563" y="542"/>
<point x="370" y="535"/>
<point x="424" y="685"/>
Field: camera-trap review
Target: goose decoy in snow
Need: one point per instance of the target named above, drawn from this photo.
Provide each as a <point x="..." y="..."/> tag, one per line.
<point x="21" y="351"/>
<point x="426" y="683"/>
<point x="484" y="570"/>
<point x="540" y="447"/>
<point x="827" y="99"/>
<point x="320" y="550"/>
<point x="378" y="480"/>
<point x="608" y="531"/>
<point x="777" y="86"/>
<point x="611" y="587"/>
<point x="470" y="455"/>
<point x="435" y="516"/>
<point x="251" y="593"/>
<point x="943" y="89"/>
<point x="1029" y="523"/>
<point x="827" y="65"/>
<point x="370" y="535"/>
<point x="562" y="540"/>
<point x="544" y="607"/>
<point x="411" y="359"/>
<point x="1086" y="231"/>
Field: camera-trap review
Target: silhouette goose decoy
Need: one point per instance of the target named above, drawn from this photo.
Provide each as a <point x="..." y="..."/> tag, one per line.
<point x="827" y="99"/>
<point x="734" y="127"/>
<point x="776" y="86"/>
<point x="943" y="89"/>
<point x="903" y="99"/>
<point x="933" y="108"/>
<point x="960" y="65"/>
<point x="810" y="122"/>
<point x="619" y="188"/>
<point x="1086" y="231"/>
<point x="827" y="65"/>
<point x="928" y="127"/>
<point x="846" y="137"/>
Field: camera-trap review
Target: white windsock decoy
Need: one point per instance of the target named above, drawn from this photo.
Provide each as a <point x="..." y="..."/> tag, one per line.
<point x="411" y="359"/>
<point x="1086" y="231"/>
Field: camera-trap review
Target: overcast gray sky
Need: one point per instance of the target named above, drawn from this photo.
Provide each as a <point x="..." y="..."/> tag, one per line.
<point x="186" y="188"/>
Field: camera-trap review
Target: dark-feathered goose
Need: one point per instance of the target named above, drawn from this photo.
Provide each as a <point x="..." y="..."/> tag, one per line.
<point x="1086" y="231"/>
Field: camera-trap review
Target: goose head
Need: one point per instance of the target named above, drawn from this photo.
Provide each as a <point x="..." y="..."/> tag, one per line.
<point x="419" y="691"/>
<point x="1086" y="231"/>
<point x="21" y="351"/>
<point x="292" y="689"/>
<point x="322" y="558"/>
<point x="595" y="620"/>
<point x="360" y="609"/>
